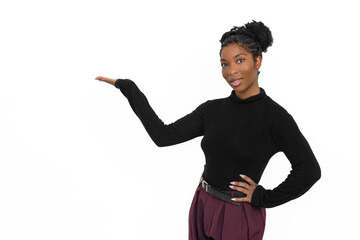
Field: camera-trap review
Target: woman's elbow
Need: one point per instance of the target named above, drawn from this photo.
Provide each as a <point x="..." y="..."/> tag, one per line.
<point x="318" y="173"/>
<point x="159" y="141"/>
<point x="160" y="144"/>
<point x="315" y="174"/>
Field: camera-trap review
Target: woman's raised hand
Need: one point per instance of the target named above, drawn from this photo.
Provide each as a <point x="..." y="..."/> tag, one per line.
<point x="105" y="79"/>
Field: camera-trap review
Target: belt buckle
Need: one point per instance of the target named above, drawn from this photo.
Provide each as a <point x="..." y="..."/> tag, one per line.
<point x="205" y="185"/>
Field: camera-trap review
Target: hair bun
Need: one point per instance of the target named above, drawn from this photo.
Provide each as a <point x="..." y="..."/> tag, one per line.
<point x="261" y="34"/>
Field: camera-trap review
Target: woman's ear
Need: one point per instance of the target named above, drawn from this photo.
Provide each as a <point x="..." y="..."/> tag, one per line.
<point x="258" y="62"/>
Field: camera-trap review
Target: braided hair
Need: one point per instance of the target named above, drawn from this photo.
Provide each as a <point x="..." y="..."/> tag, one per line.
<point x="254" y="37"/>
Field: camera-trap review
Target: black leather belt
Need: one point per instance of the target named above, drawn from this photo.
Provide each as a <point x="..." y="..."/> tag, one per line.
<point x="223" y="195"/>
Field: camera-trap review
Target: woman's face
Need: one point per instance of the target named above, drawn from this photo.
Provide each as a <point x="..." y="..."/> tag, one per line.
<point x="240" y="70"/>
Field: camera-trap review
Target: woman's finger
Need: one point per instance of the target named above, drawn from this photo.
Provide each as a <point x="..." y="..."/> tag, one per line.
<point x="249" y="180"/>
<point x="240" y="184"/>
<point x="102" y="78"/>
<point x="240" y="189"/>
<point x="243" y="199"/>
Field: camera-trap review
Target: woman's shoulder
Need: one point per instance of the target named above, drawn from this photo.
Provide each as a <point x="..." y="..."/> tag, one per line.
<point x="274" y="107"/>
<point x="215" y="102"/>
<point x="276" y="114"/>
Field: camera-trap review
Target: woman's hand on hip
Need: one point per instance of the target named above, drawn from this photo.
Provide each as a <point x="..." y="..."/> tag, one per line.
<point x="105" y="79"/>
<point x="243" y="187"/>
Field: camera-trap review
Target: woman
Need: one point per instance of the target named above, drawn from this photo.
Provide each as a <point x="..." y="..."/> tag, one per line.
<point x="241" y="133"/>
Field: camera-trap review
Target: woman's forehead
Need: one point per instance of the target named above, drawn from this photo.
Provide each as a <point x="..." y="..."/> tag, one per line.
<point x="233" y="51"/>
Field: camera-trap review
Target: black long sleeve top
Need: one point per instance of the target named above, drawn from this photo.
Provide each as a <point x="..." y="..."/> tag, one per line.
<point x="239" y="137"/>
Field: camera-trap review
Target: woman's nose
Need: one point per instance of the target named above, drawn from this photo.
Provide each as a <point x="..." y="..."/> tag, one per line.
<point x="232" y="69"/>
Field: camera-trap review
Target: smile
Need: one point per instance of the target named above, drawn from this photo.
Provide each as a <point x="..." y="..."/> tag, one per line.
<point x="236" y="82"/>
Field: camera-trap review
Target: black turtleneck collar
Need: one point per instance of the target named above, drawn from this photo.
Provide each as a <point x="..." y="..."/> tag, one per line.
<point x="253" y="98"/>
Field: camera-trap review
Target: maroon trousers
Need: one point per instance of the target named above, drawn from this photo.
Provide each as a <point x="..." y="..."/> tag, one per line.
<point x="211" y="218"/>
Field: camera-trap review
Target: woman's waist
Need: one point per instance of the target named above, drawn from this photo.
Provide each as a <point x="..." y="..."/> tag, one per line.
<point x="220" y="177"/>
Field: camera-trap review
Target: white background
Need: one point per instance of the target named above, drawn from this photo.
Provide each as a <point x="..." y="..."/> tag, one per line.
<point x="75" y="161"/>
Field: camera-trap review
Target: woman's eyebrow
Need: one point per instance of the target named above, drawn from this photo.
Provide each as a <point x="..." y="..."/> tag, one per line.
<point x="234" y="56"/>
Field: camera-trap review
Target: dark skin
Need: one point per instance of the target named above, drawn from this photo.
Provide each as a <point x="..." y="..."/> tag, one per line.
<point x="237" y="64"/>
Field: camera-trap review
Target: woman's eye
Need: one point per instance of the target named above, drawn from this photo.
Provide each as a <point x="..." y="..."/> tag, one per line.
<point x="223" y="65"/>
<point x="240" y="60"/>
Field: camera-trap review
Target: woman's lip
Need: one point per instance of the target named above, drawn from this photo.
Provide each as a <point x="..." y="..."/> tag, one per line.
<point x="233" y="80"/>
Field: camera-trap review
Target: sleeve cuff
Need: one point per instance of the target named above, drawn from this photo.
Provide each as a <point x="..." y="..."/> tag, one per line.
<point x="121" y="82"/>
<point x="257" y="196"/>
